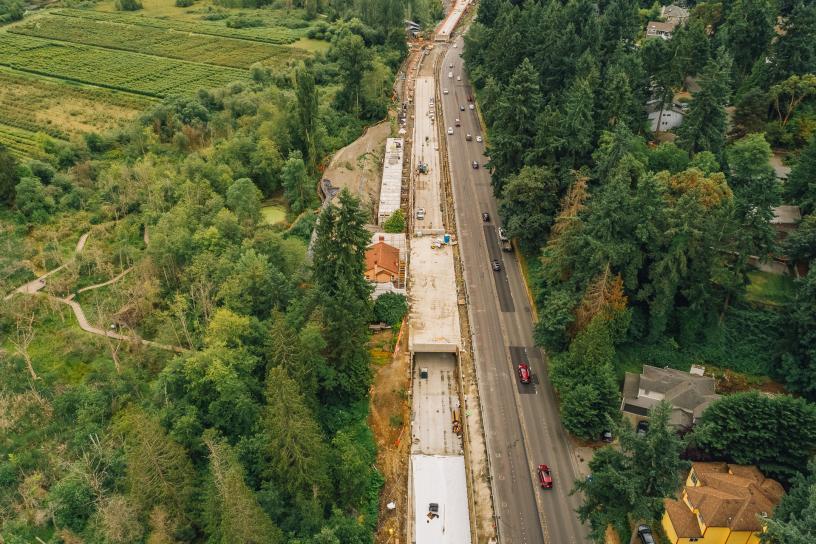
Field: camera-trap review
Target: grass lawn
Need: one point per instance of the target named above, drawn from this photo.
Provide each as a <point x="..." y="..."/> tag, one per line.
<point x="769" y="289"/>
<point x="273" y="214"/>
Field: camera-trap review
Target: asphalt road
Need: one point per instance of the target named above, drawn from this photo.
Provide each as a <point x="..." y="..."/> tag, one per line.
<point x="522" y="423"/>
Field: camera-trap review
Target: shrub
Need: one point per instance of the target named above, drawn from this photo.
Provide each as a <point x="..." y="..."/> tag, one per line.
<point x="184" y="3"/>
<point x="390" y="308"/>
<point x="395" y="223"/>
<point x="128" y="5"/>
<point x="241" y="21"/>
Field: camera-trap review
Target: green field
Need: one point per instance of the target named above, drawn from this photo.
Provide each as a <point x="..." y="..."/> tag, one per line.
<point x="273" y="214"/>
<point x="237" y="53"/>
<point x="38" y="104"/>
<point x="122" y="70"/>
<point x="273" y="34"/>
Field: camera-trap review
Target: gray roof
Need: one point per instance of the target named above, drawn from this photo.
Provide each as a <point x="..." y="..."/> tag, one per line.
<point x="688" y="394"/>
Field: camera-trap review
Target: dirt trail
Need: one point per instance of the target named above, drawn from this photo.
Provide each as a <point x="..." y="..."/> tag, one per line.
<point x="390" y="421"/>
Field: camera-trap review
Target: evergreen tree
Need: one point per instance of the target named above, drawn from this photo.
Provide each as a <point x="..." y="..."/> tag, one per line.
<point x="799" y="363"/>
<point x="794" y="49"/>
<point x="296" y="448"/>
<point x="794" y="519"/>
<point x="749" y="28"/>
<point x="579" y="119"/>
<point x="800" y="187"/>
<point x="528" y="205"/>
<point x="703" y="128"/>
<point x="158" y="469"/>
<point x="233" y="512"/>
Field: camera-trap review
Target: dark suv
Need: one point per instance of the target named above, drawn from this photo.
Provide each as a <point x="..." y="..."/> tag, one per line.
<point x="644" y="532"/>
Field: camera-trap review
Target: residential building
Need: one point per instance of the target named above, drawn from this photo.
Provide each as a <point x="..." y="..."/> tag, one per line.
<point x="689" y="394"/>
<point x="666" y="119"/>
<point x="656" y="29"/>
<point x="721" y="504"/>
<point x="382" y="263"/>
<point x="674" y="14"/>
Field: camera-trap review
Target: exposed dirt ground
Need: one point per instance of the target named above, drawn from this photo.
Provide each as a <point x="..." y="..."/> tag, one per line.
<point x="390" y="419"/>
<point x="358" y="166"/>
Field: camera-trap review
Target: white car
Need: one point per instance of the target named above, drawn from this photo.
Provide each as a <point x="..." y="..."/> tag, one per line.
<point x="420" y="213"/>
<point x="450" y="65"/>
<point x="444" y="91"/>
<point x="450" y="130"/>
<point x="458" y="78"/>
<point x="478" y="138"/>
<point x="454" y="46"/>
<point x="472" y="107"/>
<point x="450" y="74"/>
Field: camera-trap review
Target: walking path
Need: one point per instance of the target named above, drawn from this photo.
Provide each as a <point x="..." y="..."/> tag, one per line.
<point x="34" y="286"/>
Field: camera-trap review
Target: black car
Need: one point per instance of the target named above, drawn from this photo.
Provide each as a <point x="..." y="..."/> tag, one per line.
<point x="642" y="428"/>
<point x="461" y="108"/>
<point x="644" y="532"/>
<point x="495" y="264"/>
<point x="485" y="217"/>
<point x="475" y="165"/>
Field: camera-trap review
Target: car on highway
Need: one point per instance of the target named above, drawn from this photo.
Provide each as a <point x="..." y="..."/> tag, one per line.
<point x="478" y="139"/>
<point x="495" y="265"/>
<point x="450" y="74"/>
<point x="420" y="213"/>
<point x="485" y="217"/>
<point x="444" y="91"/>
<point x="524" y="372"/>
<point x="454" y="46"/>
<point x="457" y="122"/>
<point x="450" y="65"/>
<point x="472" y="107"/>
<point x="450" y="130"/>
<point x="458" y="78"/>
<point x="475" y="165"/>
<point x="461" y="107"/>
<point x="545" y="477"/>
<point x="468" y="137"/>
<point x="644" y="533"/>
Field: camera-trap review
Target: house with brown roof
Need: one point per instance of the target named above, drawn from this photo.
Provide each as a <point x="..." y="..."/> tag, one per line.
<point x="382" y="263"/>
<point x="721" y="503"/>
<point x="657" y="29"/>
<point x="688" y="394"/>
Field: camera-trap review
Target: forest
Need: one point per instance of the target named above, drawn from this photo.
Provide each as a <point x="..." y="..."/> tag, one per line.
<point x="643" y="247"/>
<point x="237" y="410"/>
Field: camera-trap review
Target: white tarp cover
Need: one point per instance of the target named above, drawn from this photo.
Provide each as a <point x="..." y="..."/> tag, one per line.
<point x="391" y="188"/>
<point x="440" y="479"/>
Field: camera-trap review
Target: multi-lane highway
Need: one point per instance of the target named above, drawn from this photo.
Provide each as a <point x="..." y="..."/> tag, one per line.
<point x="522" y="423"/>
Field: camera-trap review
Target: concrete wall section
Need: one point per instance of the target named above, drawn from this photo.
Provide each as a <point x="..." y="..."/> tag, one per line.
<point x="391" y="188"/>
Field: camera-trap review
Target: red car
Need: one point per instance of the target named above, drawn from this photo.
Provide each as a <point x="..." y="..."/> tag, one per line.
<point x="524" y="373"/>
<point x="544" y="476"/>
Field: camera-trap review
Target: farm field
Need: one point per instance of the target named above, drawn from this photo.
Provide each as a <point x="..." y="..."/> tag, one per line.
<point x="21" y="143"/>
<point x="208" y="49"/>
<point x="39" y="104"/>
<point x="144" y="74"/>
<point x="268" y="34"/>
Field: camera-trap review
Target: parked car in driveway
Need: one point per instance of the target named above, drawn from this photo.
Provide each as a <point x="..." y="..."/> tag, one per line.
<point x="644" y="533"/>
<point x="524" y="372"/>
<point x="642" y="428"/>
<point x="607" y="437"/>
<point x="495" y="265"/>
<point x="545" y="477"/>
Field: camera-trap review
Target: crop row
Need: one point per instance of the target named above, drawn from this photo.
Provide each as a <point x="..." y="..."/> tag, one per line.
<point x="156" y="41"/>
<point x="20" y="143"/>
<point x="122" y="70"/>
<point x="44" y="90"/>
<point x="273" y="35"/>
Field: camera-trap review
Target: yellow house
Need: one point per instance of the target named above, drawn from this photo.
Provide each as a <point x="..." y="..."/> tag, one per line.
<point x="721" y="504"/>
